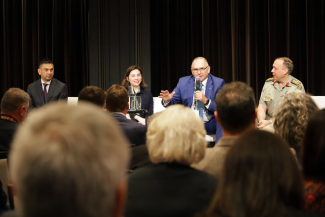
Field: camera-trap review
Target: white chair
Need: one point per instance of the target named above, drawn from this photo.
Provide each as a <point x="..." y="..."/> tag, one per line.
<point x="72" y="100"/>
<point x="157" y="106"/>
<point x="320" y="101"/>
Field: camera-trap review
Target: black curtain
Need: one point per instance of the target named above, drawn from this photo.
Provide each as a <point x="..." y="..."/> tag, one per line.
<point x="31" y="30"/>
<point x="239" y="38"/>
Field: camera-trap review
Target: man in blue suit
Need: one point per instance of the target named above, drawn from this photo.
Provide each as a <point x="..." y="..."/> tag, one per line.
<point x="185" y="93"/>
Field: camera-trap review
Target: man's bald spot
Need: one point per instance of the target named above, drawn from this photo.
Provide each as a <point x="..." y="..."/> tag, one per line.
<point x="202" y="58"/>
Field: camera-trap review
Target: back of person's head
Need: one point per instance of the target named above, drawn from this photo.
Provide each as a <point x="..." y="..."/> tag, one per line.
<point x="13" y="99"/>
<point x="93" y="94"/>
<point x="292" y="117"/>
<point x="236" y="107"/>
<point x="313" y="148"/>
<point x="69" y="161"/>
<point x="152" y="117"/>
<point x="176" y="135"/>
<point x="116" y="98"/>
<point x="260" y="178"/>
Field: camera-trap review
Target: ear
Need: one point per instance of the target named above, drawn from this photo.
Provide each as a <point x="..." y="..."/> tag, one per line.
<point x="127" y="106"/>
<point x="120" y="200"/>
<point x="209" y="68"/>
<point x="39" y="71"/>
<point x="22" y="110"/>
<point x="217" y="117"/>
<point x="286" y="70"/>
<point x="105" y="106"/>
<point x="127" y="78"/>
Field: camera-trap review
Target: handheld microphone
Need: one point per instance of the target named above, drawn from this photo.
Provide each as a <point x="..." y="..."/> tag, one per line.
<point x="197" y="83"/>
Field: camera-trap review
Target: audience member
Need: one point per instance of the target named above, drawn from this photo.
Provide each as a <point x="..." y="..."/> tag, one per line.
<point x="70" y="163"/>
<point x="291" y="118"/>
<point x="236" y="114"/>
<point x="14" y="107"/>
<point x="93" y="95"/>
<point x="117" y="103"/>
<point x="260" y="178"/>
<point x="46" y="89"/>
<point x="185" y="93"/>
<point x="170" y="187"/>
<point x="275" y="89"/>
<point x="313" y="161"/>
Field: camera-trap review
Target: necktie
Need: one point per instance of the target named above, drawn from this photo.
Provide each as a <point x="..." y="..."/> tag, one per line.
<point x="45" y="92"/>
<point x="200" y="105"/>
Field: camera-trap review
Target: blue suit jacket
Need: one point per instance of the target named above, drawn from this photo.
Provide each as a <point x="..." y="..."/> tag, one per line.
<point x="184" y="93"/>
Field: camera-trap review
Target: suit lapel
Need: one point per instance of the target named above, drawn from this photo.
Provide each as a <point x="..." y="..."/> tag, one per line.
<point x="209" y="88"/>
<point x="39" y="91"/>
<point x="51" y="90"/>
<point x="190" y="91"/>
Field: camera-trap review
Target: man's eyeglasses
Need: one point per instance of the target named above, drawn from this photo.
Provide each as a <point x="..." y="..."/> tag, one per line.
<point x="200" y="69"/>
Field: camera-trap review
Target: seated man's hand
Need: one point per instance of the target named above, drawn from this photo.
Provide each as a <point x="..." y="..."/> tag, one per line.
<point x="262" y="124"/>
<point x="200" y="96"/>
<point x="166" y="96"/>
<point x="128" y="116"/>
<point x="140" y="119"/>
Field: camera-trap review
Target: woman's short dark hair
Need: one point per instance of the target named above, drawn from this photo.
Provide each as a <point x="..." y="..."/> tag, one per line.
<point x="126" y="83"/>
<point x="313" y="148"/>
<point x="260" y="178"/>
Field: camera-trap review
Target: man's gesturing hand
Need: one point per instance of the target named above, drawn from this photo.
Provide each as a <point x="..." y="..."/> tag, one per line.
<point x="166" y="96"/>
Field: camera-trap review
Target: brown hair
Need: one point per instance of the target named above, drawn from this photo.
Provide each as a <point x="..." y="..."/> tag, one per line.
<point x="236" y="107"/>
<point x="126" y="83"/>
<point x="93" y="94"/>
<point x="116" y="98"/>
<point x="260" y="178"/>
<point x="313" y="148"/>
<point x="292" y="117"/>
<point x="13" y="99"/>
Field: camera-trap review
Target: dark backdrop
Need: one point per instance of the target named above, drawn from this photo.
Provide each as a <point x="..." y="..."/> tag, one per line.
<point x="239" y="38"/>
<point x="31" y="30"/>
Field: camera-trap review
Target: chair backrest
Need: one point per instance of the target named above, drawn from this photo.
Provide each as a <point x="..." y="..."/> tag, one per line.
<point x="320" y="101"/>
<point x="72" y="100"/>
<point x="157" y="106"/>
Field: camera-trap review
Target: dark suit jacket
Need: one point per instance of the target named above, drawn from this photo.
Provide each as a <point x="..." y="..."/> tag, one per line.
<point x="135" y="132"/>
<point x="7" y="131"/>
<point x="57" y="91"/>
<point x="168" y="190"/>
<point x="184" y="93"/>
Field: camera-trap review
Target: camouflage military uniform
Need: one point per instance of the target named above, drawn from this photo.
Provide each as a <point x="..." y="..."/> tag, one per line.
<point x="272" y="94"/>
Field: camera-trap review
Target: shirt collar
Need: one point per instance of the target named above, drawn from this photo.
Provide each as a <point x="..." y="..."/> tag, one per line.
<point x="204" y="83"/>
<point x="46" y="82"/>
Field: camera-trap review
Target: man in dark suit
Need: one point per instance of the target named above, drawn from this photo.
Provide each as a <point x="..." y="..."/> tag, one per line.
<point x="46" y="89"/>
<point x="117" y="103"/>
<point x="185" y="93"/>
<point x="14" y="107"/>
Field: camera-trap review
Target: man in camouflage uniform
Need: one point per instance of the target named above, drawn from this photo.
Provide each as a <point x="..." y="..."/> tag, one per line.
<point x="275" y="89"/>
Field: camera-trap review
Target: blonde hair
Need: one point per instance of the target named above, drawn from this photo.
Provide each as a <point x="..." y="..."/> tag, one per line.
<point x="176" y="135"/>
<point x="71" y="157"/>
<point x="292" y="117"/>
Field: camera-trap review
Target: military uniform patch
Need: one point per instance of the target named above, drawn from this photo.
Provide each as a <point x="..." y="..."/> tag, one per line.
<point x="295" y="81"/>
<point x="270" y="79"/>
<point x="299" y="87"/>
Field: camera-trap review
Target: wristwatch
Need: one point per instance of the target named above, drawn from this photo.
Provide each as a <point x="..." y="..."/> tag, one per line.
<point x="207" y="103"/>
<point x="271" y="121"/>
